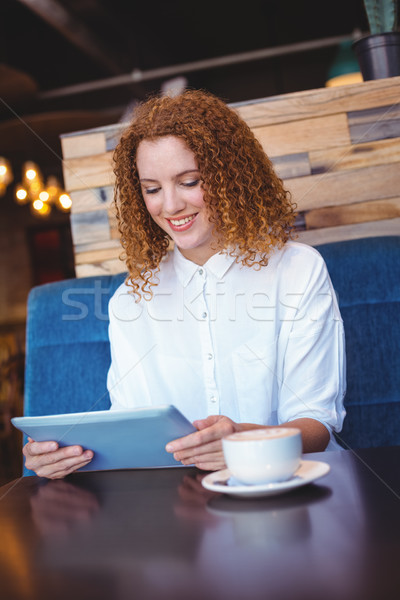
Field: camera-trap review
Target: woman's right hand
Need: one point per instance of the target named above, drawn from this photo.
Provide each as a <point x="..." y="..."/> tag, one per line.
<point x="46" y="459"/>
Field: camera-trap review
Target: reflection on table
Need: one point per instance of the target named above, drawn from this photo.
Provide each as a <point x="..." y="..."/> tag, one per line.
<point x="159" y="534"/>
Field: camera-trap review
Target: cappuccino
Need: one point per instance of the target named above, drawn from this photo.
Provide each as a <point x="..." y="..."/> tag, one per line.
<point x="262" y="434"/>
<point x="260" y="456"/>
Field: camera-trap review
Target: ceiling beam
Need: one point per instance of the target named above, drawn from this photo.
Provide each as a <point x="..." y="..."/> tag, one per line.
<point x="75" y="31"/>
<point x="138" y="76"/>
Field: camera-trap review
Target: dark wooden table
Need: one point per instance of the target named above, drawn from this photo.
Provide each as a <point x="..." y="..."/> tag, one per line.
<point x="158" y="534"/>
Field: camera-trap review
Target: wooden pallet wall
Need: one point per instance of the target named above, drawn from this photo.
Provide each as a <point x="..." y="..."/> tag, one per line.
<point x="337" y="150"/>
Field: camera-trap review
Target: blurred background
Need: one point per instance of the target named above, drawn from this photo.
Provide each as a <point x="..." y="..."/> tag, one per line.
<point x="72" y="65"/>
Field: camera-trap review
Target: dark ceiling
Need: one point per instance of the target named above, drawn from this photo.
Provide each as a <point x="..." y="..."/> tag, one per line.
<point x="47" y="46"/>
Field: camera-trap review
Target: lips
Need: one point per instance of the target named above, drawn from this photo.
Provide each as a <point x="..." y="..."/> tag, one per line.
<point x="183" y="223"/>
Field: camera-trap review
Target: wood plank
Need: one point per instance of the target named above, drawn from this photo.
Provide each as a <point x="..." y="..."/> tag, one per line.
<point x="110" y="135"/>
<point x="112" y="219"/>
<point x="89" y="227"/>
<point x="293" y="106"/>
<point x="88" y="172"/>
<point x="326" y="235"/>
<point x="344" y="187"/>
<point x="353" y="213"/>
<point x="292" y="165"/>
<point x="87" y="144"/>
<point x="101" y="245"/>
<point x="323" y="101"/>
<point x="92" y="199"/>
<point x="113" y="136"/>
<point x="375" y="123"/>
<point x="388" y="112"/>
<point x="107" y="267"/>
<point x="304" y="135"/>
<point x="355" y="157"/>
<point x="300" y="221"/>
<point x="98" y="256"/>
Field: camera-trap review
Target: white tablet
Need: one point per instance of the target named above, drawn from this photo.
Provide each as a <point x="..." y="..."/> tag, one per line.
<point x="128" y="439"/>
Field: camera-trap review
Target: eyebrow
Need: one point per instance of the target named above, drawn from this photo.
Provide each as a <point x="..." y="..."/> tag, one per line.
<point x="177" y="175"/>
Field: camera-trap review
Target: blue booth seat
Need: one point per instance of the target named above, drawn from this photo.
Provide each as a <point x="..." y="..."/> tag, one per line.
<point x="366" y="276"/>
<point x="68" y="352"/>
<point x="67" y="347"/>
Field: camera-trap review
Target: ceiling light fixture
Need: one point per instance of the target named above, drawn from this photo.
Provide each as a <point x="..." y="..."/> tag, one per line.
<point x="39" y="195"/>
<point x="344" y="69"/>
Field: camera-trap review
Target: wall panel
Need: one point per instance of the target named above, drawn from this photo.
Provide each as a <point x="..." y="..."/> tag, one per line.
<point x="336" y="149"/>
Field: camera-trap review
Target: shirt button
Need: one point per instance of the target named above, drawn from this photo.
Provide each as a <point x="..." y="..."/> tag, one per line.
<point x="209" y="356"/>
<point x="201" y="271"/>
<point x="204" y="315"/>
<point x="213" y="399"/>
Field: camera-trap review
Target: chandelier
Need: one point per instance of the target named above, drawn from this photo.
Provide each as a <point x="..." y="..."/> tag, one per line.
<point x="33" y="190"/>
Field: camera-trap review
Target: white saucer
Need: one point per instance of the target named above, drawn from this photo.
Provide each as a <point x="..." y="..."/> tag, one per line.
<point x="221" y="481"/>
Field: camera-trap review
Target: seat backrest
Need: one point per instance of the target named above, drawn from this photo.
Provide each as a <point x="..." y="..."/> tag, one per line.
<point x="68" y="352"/>
<point x="67" y="346"/>
<point x="366" y="276"/>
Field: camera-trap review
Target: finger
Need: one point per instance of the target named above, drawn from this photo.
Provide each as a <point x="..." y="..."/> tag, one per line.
<point x="63" y="467"/>
<point x="193" y="439"/>
<point x="50" y="458"/>
<point x="211" y="458"/>
<point x="216" y="431"/>
<point x="36" y="448"/>
<point x="208" y="422"/>
<point x="208" y="462"/>
<point x="52" y="461"/>
<point x="74" y="468"/>
<point x="198" y="450"/>
<point x="188" y="441"/>
<point x="62" y="474"/>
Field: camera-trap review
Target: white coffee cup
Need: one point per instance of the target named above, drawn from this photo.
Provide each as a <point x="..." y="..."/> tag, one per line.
<point x="260" y="456"/>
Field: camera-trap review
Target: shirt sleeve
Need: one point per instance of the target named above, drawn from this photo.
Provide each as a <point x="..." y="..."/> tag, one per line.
<point x="313" y="382"/>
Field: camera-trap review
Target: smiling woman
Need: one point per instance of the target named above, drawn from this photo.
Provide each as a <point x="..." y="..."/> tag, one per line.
<point x="172" y="192"/>
<point x="238" y="327"/>
<point x="244" y="200"/>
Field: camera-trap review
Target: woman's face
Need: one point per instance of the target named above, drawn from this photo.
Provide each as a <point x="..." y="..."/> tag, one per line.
<point x="172" y="192"/>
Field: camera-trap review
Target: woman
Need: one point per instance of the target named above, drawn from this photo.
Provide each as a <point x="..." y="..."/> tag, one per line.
<point x="237" y="326"/>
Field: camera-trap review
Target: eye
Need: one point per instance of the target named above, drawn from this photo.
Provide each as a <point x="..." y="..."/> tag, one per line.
<point x="191" y="183"/>
<point x="150" y="190"/>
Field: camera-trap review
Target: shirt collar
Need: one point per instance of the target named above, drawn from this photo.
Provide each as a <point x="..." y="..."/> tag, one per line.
<point x="217" y="265"/>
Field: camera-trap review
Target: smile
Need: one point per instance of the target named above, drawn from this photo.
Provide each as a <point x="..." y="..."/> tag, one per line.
<point x="183" y="223"/>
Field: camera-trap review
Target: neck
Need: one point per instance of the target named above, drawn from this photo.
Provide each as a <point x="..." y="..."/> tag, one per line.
<point x="199" y="257"/>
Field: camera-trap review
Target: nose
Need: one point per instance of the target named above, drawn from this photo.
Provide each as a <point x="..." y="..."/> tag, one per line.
<point x="173" y="201"/>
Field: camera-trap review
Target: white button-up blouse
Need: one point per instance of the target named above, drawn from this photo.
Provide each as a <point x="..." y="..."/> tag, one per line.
<point x="259" y="345"/>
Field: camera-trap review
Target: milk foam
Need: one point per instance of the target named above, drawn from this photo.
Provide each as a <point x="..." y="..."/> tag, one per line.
<point x="262" y="434"/>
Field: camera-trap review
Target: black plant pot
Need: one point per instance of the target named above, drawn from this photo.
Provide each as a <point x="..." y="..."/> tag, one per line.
<point x="378" y="55"/>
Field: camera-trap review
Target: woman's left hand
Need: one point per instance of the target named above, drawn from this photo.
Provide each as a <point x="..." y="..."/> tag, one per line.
<point x="204" y="447"/>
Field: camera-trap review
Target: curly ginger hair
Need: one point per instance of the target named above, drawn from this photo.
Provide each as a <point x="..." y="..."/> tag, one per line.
<point x="250" y="210"/>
